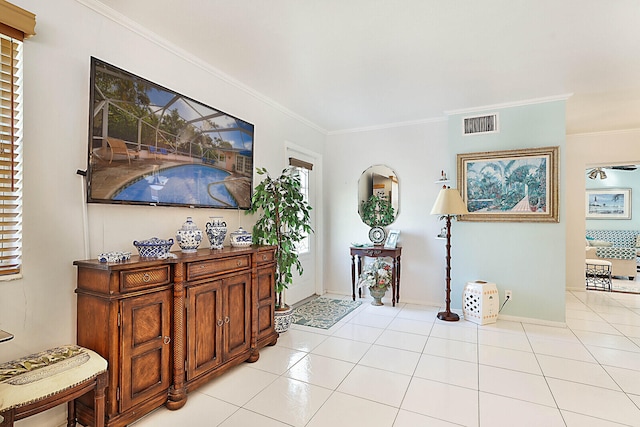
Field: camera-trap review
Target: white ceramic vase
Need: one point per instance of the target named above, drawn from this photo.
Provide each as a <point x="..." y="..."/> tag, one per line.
<point x="216" y="232"/>
<point x="189" y="236"/>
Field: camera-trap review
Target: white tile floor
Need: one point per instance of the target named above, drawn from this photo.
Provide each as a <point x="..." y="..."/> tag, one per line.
<point x="401" y="367"/>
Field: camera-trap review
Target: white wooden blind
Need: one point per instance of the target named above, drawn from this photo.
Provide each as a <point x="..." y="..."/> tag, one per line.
<point x="10" y="155"/>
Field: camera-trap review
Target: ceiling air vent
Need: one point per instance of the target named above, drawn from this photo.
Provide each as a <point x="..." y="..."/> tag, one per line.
<point x="480" y="124"/>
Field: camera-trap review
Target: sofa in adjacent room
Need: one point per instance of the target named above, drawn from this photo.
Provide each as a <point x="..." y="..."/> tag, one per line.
<point x="620" y="247"/>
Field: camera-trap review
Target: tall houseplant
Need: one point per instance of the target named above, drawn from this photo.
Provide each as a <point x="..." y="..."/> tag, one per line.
<point x="284" y="221"/>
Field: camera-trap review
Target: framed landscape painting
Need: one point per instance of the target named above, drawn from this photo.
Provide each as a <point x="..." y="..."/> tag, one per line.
<point x="608" y="203"/>
<point x="510" y="185"/>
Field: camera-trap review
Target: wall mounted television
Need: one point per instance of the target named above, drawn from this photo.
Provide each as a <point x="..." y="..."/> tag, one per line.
<point x="149" y="145"/>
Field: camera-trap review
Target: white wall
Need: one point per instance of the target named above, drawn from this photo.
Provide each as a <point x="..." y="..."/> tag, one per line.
<point x="417" y="154"/>
<point x="587" y="150"/>
<point x="40" y="308"/>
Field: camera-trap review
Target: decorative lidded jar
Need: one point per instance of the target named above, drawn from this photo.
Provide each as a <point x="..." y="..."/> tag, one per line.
<point x="216" y="232"/>
<point x="189" y="236"/>
<point x="240" y="238"/>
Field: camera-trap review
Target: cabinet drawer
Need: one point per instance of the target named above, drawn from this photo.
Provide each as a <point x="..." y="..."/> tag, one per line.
<point x="144" y="278"/>
<point x="199" y="269"/>
<point x="265" y="257"/>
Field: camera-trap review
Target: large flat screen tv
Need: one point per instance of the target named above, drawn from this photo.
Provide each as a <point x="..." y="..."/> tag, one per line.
<point x="149" y="145"/>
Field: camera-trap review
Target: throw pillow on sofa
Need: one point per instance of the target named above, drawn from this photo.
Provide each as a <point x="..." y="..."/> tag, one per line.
<point x="600" y="243"/>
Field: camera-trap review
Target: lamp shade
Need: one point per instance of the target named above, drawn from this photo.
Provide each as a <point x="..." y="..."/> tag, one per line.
<point x="449" y="202"/>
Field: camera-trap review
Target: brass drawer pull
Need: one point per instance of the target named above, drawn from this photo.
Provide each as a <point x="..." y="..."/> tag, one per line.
<point x="167" y="340"/>
<point x="146" y="277"/>
<point x="239" y="263"/>
<point x="220" y="322"/>
<point x="226" y="319"/>
<point x="264" y="257"/>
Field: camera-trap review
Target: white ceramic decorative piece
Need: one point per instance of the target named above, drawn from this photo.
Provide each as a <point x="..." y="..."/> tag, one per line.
<point x="189" y="236"/>
<point x="114" y="256"/>
<point x="153" y="248"/>
<point x="216" y="232"/>
<point x="283" y="319"/>
<point x="240" y="238"/>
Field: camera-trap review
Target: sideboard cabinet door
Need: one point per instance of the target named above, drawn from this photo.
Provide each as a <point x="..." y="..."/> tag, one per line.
<point x="204" y="328"/>
<point x="218" y="322"/>
<point x="146" y="332"/>
<point x="266" y="302"/>
<point x="237" y="315"/>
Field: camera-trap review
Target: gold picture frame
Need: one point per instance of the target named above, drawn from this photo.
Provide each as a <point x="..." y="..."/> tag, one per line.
<point x="510" y="185"/>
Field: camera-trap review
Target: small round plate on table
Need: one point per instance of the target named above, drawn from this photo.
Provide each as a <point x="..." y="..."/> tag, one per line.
<point x="377" y="235"/>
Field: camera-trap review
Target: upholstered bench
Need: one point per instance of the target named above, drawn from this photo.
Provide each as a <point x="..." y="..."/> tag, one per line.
<point x="40" y="381"/>
<point x="598" y="274"/>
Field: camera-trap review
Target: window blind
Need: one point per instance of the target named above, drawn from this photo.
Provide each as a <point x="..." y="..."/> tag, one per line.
<point x="300" y="163"/>
<point x="10" y="154"/>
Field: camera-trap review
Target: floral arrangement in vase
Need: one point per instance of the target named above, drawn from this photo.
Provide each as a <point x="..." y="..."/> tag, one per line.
<point x="377" y="276"/>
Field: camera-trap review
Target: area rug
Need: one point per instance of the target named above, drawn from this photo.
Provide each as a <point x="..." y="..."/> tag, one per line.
<point x="323" y="313"/>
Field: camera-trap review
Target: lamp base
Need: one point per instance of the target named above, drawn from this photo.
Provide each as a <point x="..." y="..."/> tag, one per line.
<point x="448" y="316"/>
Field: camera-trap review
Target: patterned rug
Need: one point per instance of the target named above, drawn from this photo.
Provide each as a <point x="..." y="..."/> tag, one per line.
<point x="323" y="313"/>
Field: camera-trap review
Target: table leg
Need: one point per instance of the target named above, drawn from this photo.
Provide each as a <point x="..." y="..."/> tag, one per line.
<point x="353" y="279"/>
<point x="359" y="273"/>
<point x="394" y="288"/>
<point x="398" y="281"/>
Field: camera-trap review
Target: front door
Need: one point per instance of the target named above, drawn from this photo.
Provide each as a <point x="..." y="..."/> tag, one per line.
<point x="304" y="285"/>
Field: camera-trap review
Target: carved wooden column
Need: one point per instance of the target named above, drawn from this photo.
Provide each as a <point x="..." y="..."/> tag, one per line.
<point x="177" y="392"/>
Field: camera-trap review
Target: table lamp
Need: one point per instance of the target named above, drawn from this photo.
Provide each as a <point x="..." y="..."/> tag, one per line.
<point x="449" y="204"/>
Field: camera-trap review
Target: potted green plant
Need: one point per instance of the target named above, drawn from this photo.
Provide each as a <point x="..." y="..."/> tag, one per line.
<point x="284" y="221"/>
<point x="377" y="213"/>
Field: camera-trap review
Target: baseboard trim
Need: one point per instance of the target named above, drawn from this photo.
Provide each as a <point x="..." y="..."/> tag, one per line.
<point x="532" y="321"/>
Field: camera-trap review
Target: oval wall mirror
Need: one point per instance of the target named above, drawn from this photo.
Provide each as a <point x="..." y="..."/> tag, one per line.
<point x="380" y="181"/>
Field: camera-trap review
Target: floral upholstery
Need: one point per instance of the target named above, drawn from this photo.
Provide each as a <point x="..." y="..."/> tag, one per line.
<point x="39" y="376"/>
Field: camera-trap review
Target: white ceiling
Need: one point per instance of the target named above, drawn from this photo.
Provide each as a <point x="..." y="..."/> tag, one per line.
<point x="354" y="64"/>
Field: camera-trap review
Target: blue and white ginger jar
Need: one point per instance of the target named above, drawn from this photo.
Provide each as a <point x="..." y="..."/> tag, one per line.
<point x="189" y="236"/>
<point x="216" y="232"/>
<point x="240" y="238"/>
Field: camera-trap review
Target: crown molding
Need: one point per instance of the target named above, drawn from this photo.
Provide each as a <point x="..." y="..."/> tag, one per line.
<point x="388" y="126"/>
<point x="521" y="103"/>
<point x="138" y="29"/>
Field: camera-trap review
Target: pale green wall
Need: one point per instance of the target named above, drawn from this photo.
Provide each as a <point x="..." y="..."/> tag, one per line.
<point x="527" y="258"/>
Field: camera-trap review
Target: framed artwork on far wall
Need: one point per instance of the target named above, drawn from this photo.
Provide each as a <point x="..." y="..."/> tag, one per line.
<point x="608" y="203"/>
<point x="510" y="185"/>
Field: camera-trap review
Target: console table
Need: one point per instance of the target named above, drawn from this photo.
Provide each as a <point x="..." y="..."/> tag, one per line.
<point x="376" y="252"/>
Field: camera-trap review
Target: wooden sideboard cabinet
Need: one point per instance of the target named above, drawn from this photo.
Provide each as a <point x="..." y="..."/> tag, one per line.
<point x="168" y="326"/>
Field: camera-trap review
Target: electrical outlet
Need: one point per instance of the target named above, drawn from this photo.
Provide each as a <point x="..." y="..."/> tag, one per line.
<point x="508" y="295"/>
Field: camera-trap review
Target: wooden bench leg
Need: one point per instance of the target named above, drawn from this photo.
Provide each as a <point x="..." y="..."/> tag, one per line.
<point x="71" y="413"/>
<point x="7" y="418"/>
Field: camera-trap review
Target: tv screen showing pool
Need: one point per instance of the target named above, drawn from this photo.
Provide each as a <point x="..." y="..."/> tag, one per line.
<point x="149" y="145"/>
